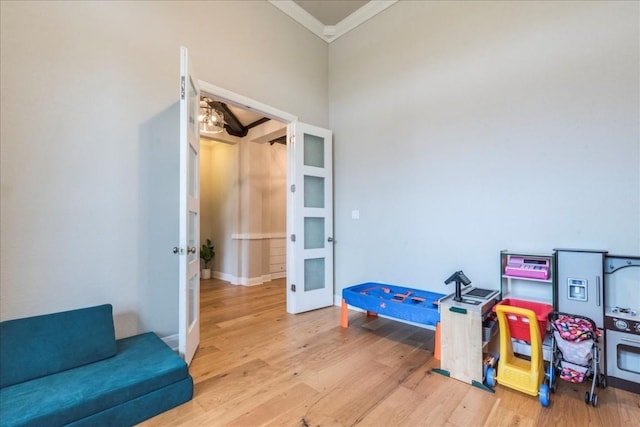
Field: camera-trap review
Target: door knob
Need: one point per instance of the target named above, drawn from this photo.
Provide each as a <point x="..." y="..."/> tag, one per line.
<point x="191" y="250"/>
<point x="330" y="239"/>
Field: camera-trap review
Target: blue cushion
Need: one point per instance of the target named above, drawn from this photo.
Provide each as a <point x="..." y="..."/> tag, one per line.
<point x="143" y="364"/>
<point x="144" y="407"/>
<point x="37" y="346"/>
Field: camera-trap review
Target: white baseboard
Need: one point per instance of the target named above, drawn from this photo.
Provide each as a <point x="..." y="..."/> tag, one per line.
<point x="223" y="276"/>
<point x="258" y="236"/>
<point x="252" y="281"/>
<point x="171" y="341"/>
<point x="337" y="300"/>
<point x="248" y="281"/>
<point x="278" y="275"/>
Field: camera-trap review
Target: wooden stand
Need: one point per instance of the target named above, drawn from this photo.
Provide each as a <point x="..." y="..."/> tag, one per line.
<point x="461" y="344"/>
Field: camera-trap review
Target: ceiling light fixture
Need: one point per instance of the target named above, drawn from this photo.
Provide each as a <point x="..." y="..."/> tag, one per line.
<point x="211" y="120"/>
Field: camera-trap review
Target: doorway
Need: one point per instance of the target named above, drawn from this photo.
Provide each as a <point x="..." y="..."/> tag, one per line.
<point x="309" y="202"/>
<point x="243" y="200"/>
<point x="309" y="206"/>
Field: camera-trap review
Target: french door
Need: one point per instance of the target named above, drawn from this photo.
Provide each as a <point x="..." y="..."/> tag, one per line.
<point x="309" y="218"/>
<point x="189" y="225"/>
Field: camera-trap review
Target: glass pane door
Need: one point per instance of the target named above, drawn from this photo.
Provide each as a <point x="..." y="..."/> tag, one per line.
<point x="312" y="276"/>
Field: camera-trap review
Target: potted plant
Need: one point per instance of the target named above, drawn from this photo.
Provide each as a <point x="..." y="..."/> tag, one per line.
<point x="207" y="253"/>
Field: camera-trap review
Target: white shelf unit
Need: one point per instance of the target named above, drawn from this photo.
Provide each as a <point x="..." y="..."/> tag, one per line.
<point x="526" y="288"/>
<point x="530" y="289"/>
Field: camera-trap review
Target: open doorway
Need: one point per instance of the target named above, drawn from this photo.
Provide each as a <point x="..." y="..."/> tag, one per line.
<point x="243" y="182"/>
<point x="309" y="203"/>
<point x="309" y="206"/>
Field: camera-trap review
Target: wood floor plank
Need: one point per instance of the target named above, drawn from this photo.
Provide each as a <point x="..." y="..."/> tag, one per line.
<point x="394" y="410"/>
<point x="182" y="414"/>
<point x="476" y="404"/>
<point x="441" y="398"/>
<point x="354" y="396"/>
<point x="285" y="406"/>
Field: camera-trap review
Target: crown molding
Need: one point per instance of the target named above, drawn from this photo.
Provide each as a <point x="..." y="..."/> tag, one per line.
<point x="289" y="7"/>
<point x="329" y="33"/>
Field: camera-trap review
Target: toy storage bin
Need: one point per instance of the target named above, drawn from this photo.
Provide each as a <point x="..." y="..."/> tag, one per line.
<point x="519" y="325"/>
<point x="489" y="326"/>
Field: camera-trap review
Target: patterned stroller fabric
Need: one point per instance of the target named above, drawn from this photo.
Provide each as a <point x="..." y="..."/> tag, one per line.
<point x="575" y="340"/>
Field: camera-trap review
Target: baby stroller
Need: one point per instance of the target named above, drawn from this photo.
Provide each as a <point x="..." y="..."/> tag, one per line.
<point x="575" y="356"/>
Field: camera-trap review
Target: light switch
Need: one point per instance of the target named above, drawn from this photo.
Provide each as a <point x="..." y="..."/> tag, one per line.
<point x="355" y="214"/>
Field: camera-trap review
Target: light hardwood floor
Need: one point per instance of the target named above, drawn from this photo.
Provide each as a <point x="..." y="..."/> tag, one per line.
<point x="257" y="365"/>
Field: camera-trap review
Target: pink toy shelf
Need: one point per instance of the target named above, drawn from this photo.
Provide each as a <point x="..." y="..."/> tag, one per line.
<point x="528" y="267"/>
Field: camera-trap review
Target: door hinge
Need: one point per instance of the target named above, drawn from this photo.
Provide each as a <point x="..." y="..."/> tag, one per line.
<point x="293" y="287"/>
<point x="292" y="139"/>
<point x="293" y="188"/>
<point x="293" y="237"/>
<point x="182" y="87"/>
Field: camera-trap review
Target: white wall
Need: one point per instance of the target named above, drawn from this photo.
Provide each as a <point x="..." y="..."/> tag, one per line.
<point x="219" y="204"/>
<point x="89" y="137"/>
<point x="262" y="208"/>
<point x="447" y="117"/>
<point x="464" y="128"/>
<point x="277" y="160"/>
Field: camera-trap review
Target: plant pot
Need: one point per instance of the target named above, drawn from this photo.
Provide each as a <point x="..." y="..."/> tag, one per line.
<point x="206" y="273"/>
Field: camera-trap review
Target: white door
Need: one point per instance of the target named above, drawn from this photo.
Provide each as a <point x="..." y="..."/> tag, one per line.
<point x="310" y="219"/>
<point x="188" y="249"/>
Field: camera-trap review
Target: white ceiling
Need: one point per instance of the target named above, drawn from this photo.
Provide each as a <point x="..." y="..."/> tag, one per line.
<point x="330" y="19"/>
<point x="330" y="12"/>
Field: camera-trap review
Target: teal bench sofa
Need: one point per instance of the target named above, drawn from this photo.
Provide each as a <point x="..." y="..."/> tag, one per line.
<point x="68" y="369"/>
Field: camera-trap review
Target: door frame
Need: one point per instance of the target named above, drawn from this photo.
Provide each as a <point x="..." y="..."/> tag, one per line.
<point x="229" y="97"/>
